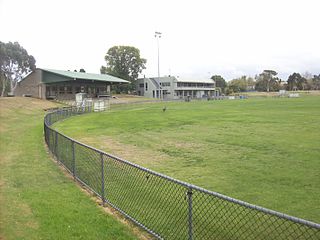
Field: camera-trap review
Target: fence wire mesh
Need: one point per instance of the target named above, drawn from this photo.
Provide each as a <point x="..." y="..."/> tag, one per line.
<point x="165" y="207"/>
<point x="88" y="167"/>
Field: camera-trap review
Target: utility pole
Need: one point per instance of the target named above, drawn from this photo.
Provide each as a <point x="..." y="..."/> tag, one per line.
<point x="157" y="35"/>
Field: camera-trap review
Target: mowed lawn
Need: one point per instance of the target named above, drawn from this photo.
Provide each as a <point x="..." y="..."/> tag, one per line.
<point x="263" y="151"/>
<point x="37" y="200"/>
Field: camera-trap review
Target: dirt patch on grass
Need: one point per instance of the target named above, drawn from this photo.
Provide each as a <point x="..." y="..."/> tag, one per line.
<point x="135" y="154"/>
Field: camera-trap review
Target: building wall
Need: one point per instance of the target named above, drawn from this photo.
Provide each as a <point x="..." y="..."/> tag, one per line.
<point x="67" y="90"/>
<point x="140" y="86"/>
<point x="146" y="88"/>
<point x="31" y="85"/>
<point x="150" y="88"/>
<point x="168" y="85"/>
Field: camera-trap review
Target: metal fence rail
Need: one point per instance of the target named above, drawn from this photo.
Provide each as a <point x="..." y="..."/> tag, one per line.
<point x="165" y="207"/>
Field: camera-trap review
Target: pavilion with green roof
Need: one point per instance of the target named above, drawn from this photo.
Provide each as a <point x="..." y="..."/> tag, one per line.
<point x="58" y="84"/>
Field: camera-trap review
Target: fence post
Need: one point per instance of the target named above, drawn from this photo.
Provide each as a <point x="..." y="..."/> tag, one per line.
<point x="102" y="178"/>
<point x="56" y="146"/>
<point x="45" y="130"/>
<point x="48" y="136"/>
<point x="190" y="227"/>
<point x="73" y="161"/>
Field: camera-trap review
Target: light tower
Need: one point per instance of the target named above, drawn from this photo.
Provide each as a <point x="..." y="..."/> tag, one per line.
<point x="157" y="35"/>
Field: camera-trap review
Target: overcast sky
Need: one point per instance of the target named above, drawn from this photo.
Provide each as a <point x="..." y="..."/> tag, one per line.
<point x="199" y="38"/>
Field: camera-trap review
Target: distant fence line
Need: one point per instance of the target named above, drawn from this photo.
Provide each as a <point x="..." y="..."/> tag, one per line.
<point x="165" y="207"/>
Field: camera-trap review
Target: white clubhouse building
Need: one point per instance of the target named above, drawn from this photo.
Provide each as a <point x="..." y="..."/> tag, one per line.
<point x="169" y="88"/>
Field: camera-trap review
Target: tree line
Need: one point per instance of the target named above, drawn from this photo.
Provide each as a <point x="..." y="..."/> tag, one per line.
<point x="121" y="61"/>
<point x="125" y="62"/>
<point x="268" y="81"/>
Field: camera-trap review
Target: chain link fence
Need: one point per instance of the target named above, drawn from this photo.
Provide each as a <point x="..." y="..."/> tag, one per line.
<point x="163" y="206"/>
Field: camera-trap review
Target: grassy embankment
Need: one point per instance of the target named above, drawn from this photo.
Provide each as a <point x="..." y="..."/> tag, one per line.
<point x="263" y="151"/>
<point x="37" y="200"/>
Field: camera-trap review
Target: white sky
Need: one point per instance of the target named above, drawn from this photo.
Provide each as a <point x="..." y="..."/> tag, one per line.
<point x="199" y="38"/>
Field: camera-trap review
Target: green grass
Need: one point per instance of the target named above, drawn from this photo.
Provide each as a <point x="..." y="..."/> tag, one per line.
<point x="263" y="151"/>
<point x="37" y="200"/>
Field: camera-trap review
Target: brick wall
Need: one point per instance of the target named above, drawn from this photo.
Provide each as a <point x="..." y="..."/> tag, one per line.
<point x="31" y="85"/>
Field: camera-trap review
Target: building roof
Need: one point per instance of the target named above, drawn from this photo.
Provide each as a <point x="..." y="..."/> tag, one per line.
<point x="177" y="79"/>
<point x="195" y="80"/>
<point x="84" y="76"/>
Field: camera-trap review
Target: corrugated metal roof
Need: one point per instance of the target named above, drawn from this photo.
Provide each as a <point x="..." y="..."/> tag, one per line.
<point x="86" y="76"/>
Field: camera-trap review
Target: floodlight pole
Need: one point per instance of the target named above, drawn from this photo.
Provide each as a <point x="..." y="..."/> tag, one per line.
<point x="157" y="35"/>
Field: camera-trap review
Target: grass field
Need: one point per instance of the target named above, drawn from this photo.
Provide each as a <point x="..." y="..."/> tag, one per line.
<point x="263" y="151"/>
<point x="37" y="201"/>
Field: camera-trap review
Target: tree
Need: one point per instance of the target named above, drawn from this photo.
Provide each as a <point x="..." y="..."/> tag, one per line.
<point x="296" y="82"/>
<point x="267" y="81"/>
<point x="242" y="84"/>
<point x="308" y="85"/>
<point x="103" y="70"/>
<point x="307" y="75"/>
<point x="219" y="82"/>
<point x="316" y="82"/>
<point x="15" y="62"/>
<point x="124" y="62"/>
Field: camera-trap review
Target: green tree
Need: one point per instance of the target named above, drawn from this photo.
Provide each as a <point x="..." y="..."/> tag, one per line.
<point x="103" y="70"/>
<point x="242" y="84"/>
<point x="4" y="85"/>
<point x="316" y="82"/>
<point x="15" y="62"/>
<point x="238" y="84"/>
<point x="124" y="62"/>
<point x="296" y="82"/>
<point x="267" y="81"/>
<point x="219" y="82"/>
<point x="309" y="83"/>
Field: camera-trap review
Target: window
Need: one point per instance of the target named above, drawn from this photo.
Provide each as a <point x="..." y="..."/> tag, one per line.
<point x="166" y="84"/>
<point x="53" y="90"/>
<point x="61" y="90"/>
<point x="78" y="89"/>
<point x="102" y="90"/>
<point x="69" y="89"/>
<point x="146" y="86"/>
<point x="141" y="85"/>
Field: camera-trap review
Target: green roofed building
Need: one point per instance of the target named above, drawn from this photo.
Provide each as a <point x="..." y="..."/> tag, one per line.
<point x="57" y="84"/>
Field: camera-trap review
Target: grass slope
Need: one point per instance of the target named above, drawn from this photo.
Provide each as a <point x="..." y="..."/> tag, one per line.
<point x="37" y="200"/>
<point x="263" y="151"/>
